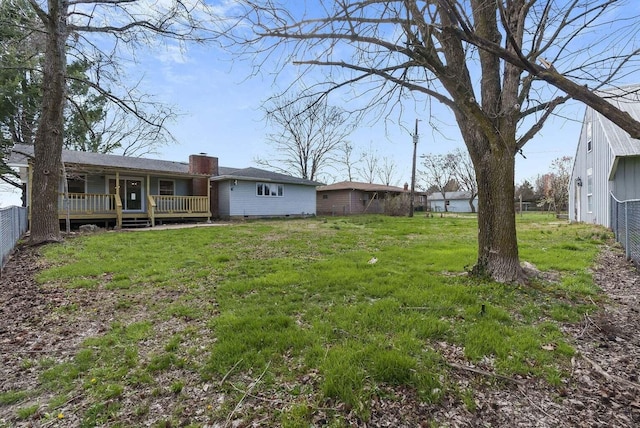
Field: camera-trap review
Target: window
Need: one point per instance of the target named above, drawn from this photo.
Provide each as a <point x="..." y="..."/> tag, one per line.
<point x="270" y="189"/>
<point x="77" y="184"/>
<point x="325" y="196"/>
<point x="590" y="190"/>
<point x="166" y="187"/>
<point x="589" y="143"/>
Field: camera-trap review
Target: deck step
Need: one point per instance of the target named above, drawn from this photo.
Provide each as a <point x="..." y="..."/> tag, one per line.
<point x="135" y="222"/>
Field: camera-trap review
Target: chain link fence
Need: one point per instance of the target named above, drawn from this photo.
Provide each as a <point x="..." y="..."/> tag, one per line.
<point x="625" y="222"/>
<point x="13" y="224"/>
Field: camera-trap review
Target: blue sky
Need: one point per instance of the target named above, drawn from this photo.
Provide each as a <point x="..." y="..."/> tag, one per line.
<point x="222" y="117"/>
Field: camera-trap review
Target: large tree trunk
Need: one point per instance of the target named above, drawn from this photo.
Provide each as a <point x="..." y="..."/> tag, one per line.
<point x="45" y="226"/>
<point x="497" y="239"/>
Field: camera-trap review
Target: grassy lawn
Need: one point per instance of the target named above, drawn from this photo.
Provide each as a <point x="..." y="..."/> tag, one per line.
<point x="296" y="312"/>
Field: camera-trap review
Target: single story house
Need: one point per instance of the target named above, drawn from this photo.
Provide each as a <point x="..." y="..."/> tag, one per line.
<point x="253" y="192"/>
<point x="351" y="197"/>
<point x="124" y="190"/>
<point x="607" y="162"/>
<point x="455" y="202"/>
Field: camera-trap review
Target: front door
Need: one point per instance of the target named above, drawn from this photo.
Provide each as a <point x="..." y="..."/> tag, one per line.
<point x="130" y="193"/>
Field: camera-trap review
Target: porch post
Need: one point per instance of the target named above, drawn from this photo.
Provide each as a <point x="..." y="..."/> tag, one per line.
<point x="151" y="212"/>
<point x="118" y="209"/>
<point x="209" y="199"/>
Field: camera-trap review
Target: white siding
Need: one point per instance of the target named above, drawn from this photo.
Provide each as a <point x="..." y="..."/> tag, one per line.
<point x="462" y="206"/>
<point x="455" y="205"/>
<point x="626" y="183"/>
<point x="241" y="200"/>
<point x="599" y="162"/>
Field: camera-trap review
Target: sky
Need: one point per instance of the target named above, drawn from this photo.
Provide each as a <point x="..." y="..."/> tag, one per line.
<point x="219" y="104"/>
<point x="223" y="117"/>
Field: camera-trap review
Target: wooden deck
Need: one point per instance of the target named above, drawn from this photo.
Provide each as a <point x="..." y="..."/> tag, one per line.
<point x="108" y="207"/>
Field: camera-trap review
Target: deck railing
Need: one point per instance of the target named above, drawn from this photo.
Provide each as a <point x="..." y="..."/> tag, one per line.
<point x="86" y="204"/>
<point x="181" y="204"/>
<point x="151" y="209"/>
<point x="93" y="205"/>
<point x="118" y="203"/>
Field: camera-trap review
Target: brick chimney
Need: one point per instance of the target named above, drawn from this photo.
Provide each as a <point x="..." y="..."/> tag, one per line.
<point x="406" y="187"/>
<point x="205" y="165"/>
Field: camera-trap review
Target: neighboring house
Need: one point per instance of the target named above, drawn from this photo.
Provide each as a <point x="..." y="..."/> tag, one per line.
<point x="350" y="197"/>
<point x="606" y="164"/>
<point x="123" y="190"/>
<point x="455" y="202"/>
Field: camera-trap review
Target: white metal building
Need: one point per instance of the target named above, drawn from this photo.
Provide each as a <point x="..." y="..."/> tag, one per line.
<point x="455" y="202"/>
<point x="607" y="162"/>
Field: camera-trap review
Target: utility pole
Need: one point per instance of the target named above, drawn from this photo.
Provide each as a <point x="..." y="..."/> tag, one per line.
<point x="413" y="170"/>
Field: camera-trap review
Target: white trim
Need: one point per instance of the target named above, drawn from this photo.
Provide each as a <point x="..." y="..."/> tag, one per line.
<point x="590" y="185"/>
<point x="270" y="195"/>
<point x="143" y="204"/>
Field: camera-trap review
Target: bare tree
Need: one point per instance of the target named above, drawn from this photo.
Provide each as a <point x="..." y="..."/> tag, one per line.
<point x="465" y="175"/>
<point x="387" y="171"/>
<point x="86" y="27"/>
<point x="309" y="133"/>
<point x="346" y="159"/>
<point x="369" y="164"/>
<point x="502" y="67"/>
<point x="439" y="172"/>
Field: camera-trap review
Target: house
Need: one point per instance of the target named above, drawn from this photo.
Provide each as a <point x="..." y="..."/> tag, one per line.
<point x="606" y="164"/>
<point x="253" y="192"/>
<point x="351" y="197"/>
<point x="456" y="202"/>
<point x="124" y="190"/>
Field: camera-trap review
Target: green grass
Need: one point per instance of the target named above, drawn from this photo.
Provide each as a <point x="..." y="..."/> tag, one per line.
<point x="12" y="397"/>
<point x="27" y="412"/>
<point x="296" y="305"/>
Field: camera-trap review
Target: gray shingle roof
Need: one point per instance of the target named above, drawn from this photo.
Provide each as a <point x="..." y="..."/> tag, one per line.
<point x="619" y="140"/>
<point x="21" y="152"/>
<point x="436" y="196"/>
<point x="252" y="174"/>
<point x="365" y="187"/>
<point x="105" y="161"/>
